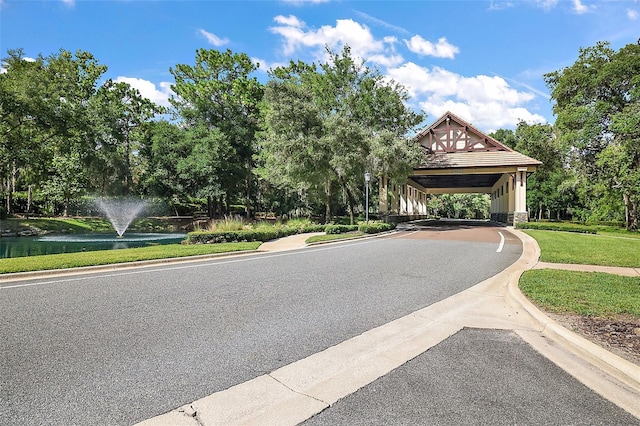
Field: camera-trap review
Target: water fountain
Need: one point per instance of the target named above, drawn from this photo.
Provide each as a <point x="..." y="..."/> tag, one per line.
<point x="120" y="212"/>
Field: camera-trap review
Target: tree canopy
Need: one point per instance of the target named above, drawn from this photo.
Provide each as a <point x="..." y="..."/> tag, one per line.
<point x="597" y="100"/>
<point x="325" y="125"/>
<point x="300" y="142"/>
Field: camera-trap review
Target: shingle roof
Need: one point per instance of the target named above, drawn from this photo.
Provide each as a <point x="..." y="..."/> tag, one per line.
<point x="477" y="159"/>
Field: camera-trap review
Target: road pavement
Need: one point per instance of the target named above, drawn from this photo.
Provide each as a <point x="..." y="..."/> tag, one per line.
<point x="123" y="346"/>
<point x="413" y="328"/>
<point x="475" y="377"/>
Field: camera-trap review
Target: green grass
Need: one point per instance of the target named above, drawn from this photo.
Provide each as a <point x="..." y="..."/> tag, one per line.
<point x="332" y="237"/>
<point x="584" y="293"/>
<point x="605" y="250"/>
<point x="105" y="257"/>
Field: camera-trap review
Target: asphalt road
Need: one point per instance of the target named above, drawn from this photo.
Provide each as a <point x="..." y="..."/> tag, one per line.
<point x="475" y="377"/>
<point x="120" y="347"/>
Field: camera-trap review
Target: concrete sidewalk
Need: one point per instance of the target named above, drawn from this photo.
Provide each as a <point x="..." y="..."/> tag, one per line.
<point x="627" y="272"/>
<point x="298" y="391"/>
<point x="288" y="243"/>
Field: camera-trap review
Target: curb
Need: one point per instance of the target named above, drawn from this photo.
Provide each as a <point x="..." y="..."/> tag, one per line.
<point x="624" y="371"/>
<point x="20" y="276"/>
<point x="359" y="237"/>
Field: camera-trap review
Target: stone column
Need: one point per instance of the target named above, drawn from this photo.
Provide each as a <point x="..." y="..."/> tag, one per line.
<point x="520" y="211"/>
<point x="383" y="191"/>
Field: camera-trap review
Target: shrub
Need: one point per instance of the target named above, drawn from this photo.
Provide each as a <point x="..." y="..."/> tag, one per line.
<point x="298" y="223"/>
<point x="245" y="235"/>
<point x="226" y="224"/>
<point x="340" y="229"/>
<point x="313" y="228"/>
<point x="375" y="227"/>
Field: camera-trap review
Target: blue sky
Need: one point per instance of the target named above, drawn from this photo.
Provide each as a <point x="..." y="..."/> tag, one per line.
<point x="482" y="60"/>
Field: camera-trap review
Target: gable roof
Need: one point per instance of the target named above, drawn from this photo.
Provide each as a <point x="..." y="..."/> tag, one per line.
<point x="452" y="143"/>
<point x="450" y="133"/>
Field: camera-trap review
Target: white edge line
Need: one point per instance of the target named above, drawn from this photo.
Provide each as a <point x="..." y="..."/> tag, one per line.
<point x="501" y="245"/>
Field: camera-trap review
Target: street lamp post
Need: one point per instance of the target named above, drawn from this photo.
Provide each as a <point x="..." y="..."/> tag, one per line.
<point x="367" y="178"/>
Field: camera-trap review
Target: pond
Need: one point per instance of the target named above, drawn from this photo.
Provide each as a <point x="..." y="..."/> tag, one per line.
<point x="54" y="244"/>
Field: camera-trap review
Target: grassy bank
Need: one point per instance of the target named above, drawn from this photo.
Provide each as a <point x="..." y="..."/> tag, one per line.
<point x="105" y="257"/>
<point x="332" y="237"/>
<point x="605" y="249"/>
<point x="585" y="293"/>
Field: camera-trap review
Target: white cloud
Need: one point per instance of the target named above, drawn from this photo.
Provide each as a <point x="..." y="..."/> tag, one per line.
<point x="500" y="5"/>
<point x="380" y="22"/>
<point x="158" y="95"/>
<point x="297" y="36"/>
<point x="69" y="3"/>
<point x="488" y="102"/>
<point x="346" y="31"/>
<point x="266" y="66"/>
<point x="580" y="8"/>
<point x="290" y="21"/>
<point x="3" y="70"/>
<point x="633" y="14"/>
<point x="441" y="49"/>
<point x="214" y="39"/>
<point x="547" y="4"/>
<point x="386" y="60"/>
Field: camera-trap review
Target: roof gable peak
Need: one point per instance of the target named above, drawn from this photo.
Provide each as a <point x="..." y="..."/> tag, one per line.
<point x="450" y="133"/>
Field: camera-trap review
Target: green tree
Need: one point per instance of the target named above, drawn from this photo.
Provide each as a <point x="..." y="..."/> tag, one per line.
<point x="539" y="141"/>
<point x="595" y="103"/>
<point x="122" y="113"/>
<point x="218" y="95"/>
<point x="324" y="126"/>
<point x="43" y="104"/>
<point x="66" y="181"/>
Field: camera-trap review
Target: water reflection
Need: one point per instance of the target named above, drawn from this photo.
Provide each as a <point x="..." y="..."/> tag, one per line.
<point x="54" y="244"/>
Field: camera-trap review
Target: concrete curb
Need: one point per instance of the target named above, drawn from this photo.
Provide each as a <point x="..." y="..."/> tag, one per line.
<point x="620" y="369"/>
<point x="359" y="237"/>
<point x="21" y="276"/>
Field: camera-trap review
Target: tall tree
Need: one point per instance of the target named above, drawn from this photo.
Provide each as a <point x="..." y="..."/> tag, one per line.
<point x="122" y="113"/>
<point x="595" y="103"/>
<point x="219" y="96"/>
<point x="43" y="104"/>
<point x="324" y="126"/>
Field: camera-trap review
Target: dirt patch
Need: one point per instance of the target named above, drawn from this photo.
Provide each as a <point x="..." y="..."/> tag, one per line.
<point x="620" y="335"/>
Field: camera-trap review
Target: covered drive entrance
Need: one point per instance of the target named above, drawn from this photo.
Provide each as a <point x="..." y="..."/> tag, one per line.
<point x="461" y="159"/>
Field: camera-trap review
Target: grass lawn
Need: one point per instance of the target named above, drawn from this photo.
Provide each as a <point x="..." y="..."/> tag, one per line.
<point x="105" y="257"/>
<point x="332" y="237"/>
<point x="583" y="293"/>
<point x="602" y="249"/>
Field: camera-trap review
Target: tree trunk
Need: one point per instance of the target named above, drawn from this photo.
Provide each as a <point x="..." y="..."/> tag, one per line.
<point x="327" y="207"/>
<point x="210" y="207"/>
<point x="350" y="199"/>
<point x="631" y="213"/>
<point x="540" y="211"/>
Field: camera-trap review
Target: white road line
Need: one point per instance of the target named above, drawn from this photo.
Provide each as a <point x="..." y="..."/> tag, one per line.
<point x="501" y="245"/>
